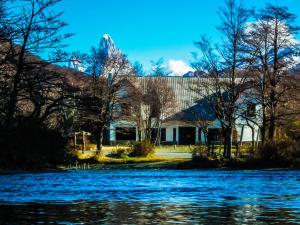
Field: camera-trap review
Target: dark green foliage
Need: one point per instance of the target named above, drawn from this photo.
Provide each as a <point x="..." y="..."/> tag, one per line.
<point x="283" y="154"/>
<point x="32" y="145"/>
<point x="284" y="151"/>
<point x="292" y="129"/>
<point x="142" y="149"/>
<point x="200" y="152"/>
<point x="120" y="153"/>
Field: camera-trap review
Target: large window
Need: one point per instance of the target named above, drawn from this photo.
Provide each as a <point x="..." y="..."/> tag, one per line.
<point x="215" y="135"/>
<point x="174" y="135"/>
<point x="163" y="135"/>
<point x="187" y="135"/>
<point x="154" y="133"/>
<point x="125" y="134"/>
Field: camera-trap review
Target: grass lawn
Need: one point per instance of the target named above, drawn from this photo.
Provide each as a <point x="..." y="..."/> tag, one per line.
<point x="162" y="154"/>
<point x="102" y="159"/>
<point x="163" y="148"/>
<point x="175" y="148"/>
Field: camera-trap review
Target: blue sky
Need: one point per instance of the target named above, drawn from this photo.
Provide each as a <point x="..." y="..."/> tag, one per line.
<point x="148" y="30"/>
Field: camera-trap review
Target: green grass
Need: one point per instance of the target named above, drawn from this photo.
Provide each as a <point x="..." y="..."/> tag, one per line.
<point x="171" y="148"/>
<point x="218" y="149"/>
<point x="102" y="159"/>
<point x="106" y="159"/>
<point x="174" y="148"/>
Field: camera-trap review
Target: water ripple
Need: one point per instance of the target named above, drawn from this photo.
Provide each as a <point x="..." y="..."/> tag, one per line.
<point x="151" y="197"/>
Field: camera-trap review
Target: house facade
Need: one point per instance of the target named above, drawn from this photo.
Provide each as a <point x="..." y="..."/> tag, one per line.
<point x="180" y="126"/>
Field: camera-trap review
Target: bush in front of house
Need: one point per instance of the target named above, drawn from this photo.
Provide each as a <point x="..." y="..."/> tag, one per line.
<point x="32" y="145"/>
<point x="142" y="149"/>
<point x="280" y="153"/>
<point x="199" y="152"/>
<point x="119" y="153"/>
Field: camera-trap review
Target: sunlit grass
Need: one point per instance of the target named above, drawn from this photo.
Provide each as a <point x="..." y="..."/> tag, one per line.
<point x="102" y="158"/>
<point x="106" y="150"/>
<point x="175" y="148"/>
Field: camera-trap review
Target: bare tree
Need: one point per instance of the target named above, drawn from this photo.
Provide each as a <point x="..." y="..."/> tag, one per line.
<point x="223" y="65"/>
<point x="35" y="29"/>
<point x="103" y="95"/>
<point x="33" y="91"/>
<point x="159" y="101"/>
<point x="152" y="100"/>
<point x="272" y="49"/>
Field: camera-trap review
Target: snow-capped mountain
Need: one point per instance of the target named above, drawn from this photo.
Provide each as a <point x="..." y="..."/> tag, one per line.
<point x="107" y="46"/>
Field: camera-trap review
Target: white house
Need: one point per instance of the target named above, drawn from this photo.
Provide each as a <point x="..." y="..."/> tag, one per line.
<point x="180" y="127"/>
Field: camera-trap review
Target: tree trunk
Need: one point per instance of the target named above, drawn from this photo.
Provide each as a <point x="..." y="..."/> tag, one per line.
<point x="158" y="134"/>
<point x="263" y="133"/>
<point x="148" y="129"/>
<point x="99" y="139"/>
<point x="272" y="128"/>
<point x="264" y="124"/>
<point x="12" y="104"/>
<point x="229" y="143"/>
<point x="252" y="140"/>
<point x="225" y="145"/>
<point x="237" y="152"/>
<point x="139" y="135"/>
<point x="272" y="118"/>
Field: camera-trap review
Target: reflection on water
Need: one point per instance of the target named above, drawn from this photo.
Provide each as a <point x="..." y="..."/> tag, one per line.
<point x="142" y="213"/>
<point x="151" y="197"/>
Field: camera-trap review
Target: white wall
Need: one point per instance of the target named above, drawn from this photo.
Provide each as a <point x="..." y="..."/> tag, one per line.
<point x="247" y="135"/>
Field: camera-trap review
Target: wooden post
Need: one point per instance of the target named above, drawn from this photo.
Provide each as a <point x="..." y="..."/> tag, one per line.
<point x="75" y="141"/>
<point x="83" y="140"/>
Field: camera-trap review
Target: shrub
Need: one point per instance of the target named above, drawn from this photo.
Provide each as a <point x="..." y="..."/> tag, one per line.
<point x="293" y="129"/>
<point x="32" y="145"/>
<point x="119" y="153"/>
<point x="142" y="149"/>
<point x="199" y="152"/>
<point x="282" y="152"/>
<point x="98" y="158"/>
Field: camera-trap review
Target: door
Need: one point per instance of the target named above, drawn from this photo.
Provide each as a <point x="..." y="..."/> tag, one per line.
<point x="187" y="135"/>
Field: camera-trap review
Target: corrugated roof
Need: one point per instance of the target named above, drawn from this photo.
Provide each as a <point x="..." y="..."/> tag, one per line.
<point x="185" y="96"/>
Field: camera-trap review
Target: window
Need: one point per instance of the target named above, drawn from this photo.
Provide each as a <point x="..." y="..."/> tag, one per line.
<point x="154" y="133"/>
<point x="125" y="134"/>
<point x="251" y="110"/>
<point x="214" y="135"/>
<point x="163" y="134"/>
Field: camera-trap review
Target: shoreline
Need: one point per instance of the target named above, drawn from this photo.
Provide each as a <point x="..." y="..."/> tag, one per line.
<point x="178" y="164"/>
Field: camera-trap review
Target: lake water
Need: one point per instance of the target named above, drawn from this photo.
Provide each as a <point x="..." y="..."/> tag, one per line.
<point x="151" y="197"/>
